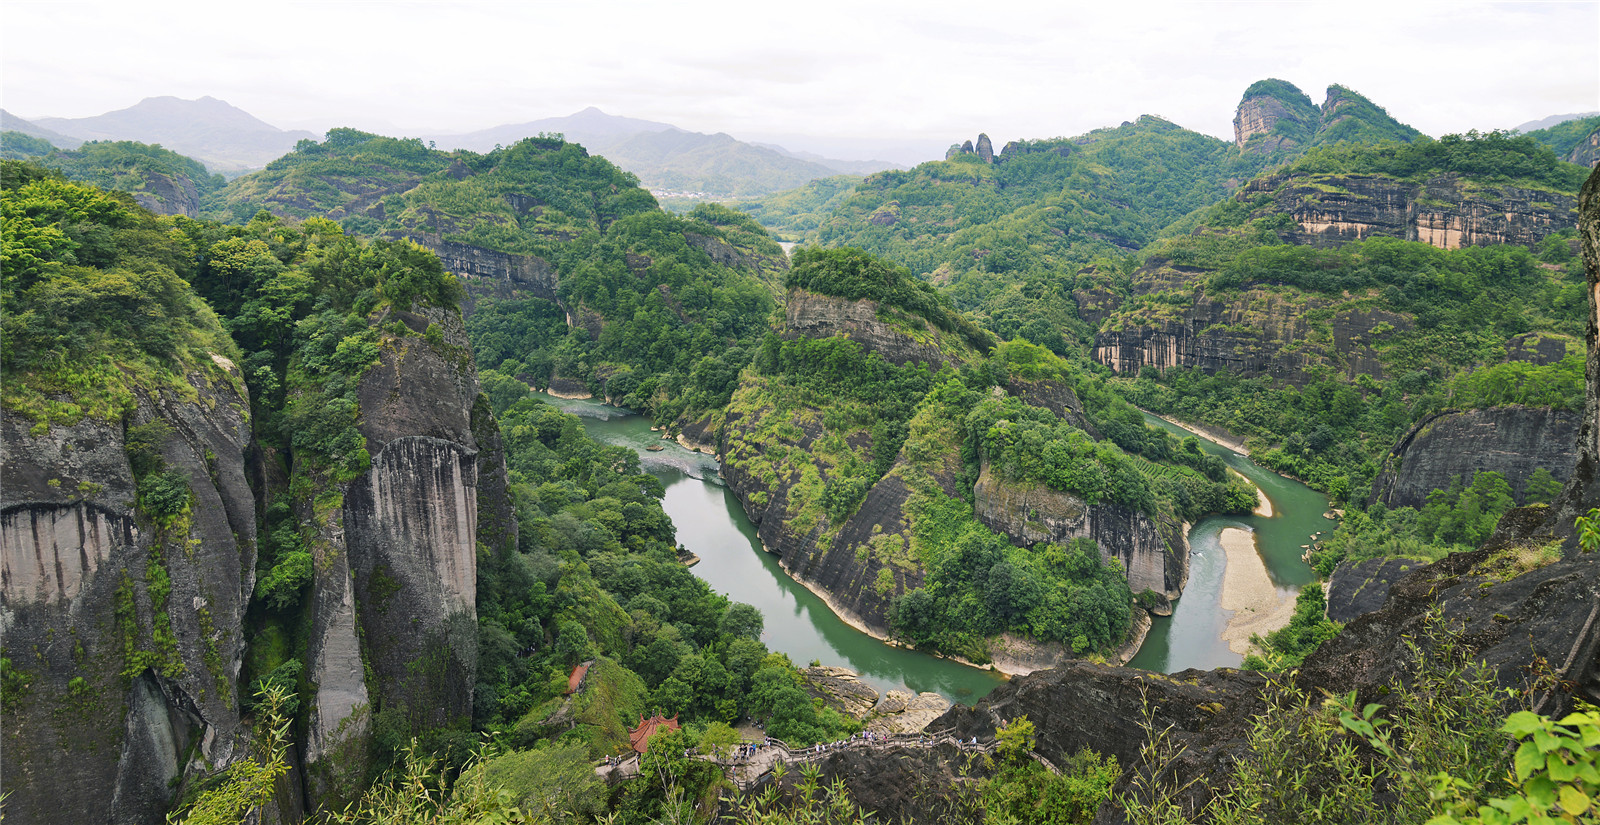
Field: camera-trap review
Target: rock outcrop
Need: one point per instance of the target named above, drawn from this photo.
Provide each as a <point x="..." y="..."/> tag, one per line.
<point x="901" y="712"/>
<point x="1452" y="445"/>
<point x="841" y="689"/>
<point x="123" y="632"/>
<point x="903" y="784"/>
<point x="865" y="322"/>
<point x="1362" y="587"/>
<point x="396" y="581"/>
<point x="985" y="148"/>
<point x="1258" y="331"/>
<point x="1546" y="613"/>
<point x="821" y="556"/>
<point x="1587" y="152"/>
<point x="169" y="195"/>
<point x="501" y="274"/>
<point x="1267" y="123"/>
<point x="1154" y="556"/>
<point x="1444" y="211"/>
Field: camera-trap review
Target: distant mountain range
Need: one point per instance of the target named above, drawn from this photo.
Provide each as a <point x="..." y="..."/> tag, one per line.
<point x="11" y="123"/>
<point x="669" y="159"/>
<point x="222" y="136"/>
<point x="229" y="140"/>
<point x="1553" y="120"/>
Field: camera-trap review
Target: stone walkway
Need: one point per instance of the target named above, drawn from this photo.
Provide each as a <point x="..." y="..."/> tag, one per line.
<point x="756" y="765"/>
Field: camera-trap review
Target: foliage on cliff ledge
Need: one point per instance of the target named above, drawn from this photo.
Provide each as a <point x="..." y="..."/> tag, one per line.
<point x="95" y="301"/>
<point x="1494" y="157"/>
<point x="855" y="275"/>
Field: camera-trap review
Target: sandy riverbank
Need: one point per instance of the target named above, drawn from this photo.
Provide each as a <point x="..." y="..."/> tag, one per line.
<point x="1263" y="504"/>
<point x="1232" y="442"/>
<point x="1248" y="591"/>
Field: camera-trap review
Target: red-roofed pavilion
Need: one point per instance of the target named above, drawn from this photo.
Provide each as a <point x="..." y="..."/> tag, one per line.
<point x="640" y="736"/>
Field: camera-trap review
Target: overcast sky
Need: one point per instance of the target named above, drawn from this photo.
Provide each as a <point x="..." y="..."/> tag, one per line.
<point x="920" y="72"/>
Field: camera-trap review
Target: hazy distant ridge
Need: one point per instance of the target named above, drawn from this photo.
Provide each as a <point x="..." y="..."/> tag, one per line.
<point x="222" y="136"/>
<point x="665" y="157"/>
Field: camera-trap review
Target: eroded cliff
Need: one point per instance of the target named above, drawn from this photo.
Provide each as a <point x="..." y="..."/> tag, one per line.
<point x="1154" y="554"/>
<point x="1171" y="320"/>
<point x="1451" y="446"/>
<point x="1447" y="211"/>
<point x="122" y="616"/>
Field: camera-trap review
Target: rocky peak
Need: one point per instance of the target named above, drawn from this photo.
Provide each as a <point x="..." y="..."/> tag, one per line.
<point x="1347" y="115"/>
<point x="984" y="149"/>
<point x="1277" y="111"/>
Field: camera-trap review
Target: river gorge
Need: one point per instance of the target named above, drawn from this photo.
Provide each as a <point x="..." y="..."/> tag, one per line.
<point x="711" y="525"/>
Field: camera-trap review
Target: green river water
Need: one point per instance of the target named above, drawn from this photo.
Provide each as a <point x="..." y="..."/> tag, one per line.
<point x="1192" y="635"/>
<point x="713" y="526"/>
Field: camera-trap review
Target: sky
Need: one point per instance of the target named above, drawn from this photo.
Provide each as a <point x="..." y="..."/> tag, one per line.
<point x="848" y="78"/>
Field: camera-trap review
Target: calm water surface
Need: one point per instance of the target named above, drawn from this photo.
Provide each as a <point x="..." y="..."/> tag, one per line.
<point x="1192" y="635"/>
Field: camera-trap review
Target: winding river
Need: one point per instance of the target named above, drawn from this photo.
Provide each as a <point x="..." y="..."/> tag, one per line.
<point x="713" y="526"/>
<point x="1192" y="635"/>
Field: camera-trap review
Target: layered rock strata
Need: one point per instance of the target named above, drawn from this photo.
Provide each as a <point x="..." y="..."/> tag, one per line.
<point x="1444" y="211"/>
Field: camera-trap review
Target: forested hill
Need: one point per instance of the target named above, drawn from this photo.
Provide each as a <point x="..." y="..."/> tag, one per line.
<point x="999" y="230"/>
<point x="575" y="272"/>
<point x="161" y="180"/>
<point x="1332" y="304"/>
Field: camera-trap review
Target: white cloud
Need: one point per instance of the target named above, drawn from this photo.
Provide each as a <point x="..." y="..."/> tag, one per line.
<point x="908" y="71"/>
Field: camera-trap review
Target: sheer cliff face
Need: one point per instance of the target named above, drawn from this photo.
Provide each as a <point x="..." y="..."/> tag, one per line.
<point x="1329" y="210"/>
<point x="820" y="316"/>
<point x="1259" y="331"/>
<point x="1583" y="487"/>
<point x="1258" y="115"/>
<point x="127" y="632"/>
<point x="399" y="556"/>
<point x="502" y="274"/>
<point x="1587" y="152"/>
<point x="1512" y="441"/>
<point x="1154" y="556"/>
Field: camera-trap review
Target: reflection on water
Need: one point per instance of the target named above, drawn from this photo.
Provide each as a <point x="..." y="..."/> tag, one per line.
<point x="1192" y="636"/>
<point x="712" y="525"/>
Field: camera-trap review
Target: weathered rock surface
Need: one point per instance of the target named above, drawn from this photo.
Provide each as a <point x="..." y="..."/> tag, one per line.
<point x="1587" y="152"/>
<point x="901" y="712"/>
<point x="901" y="784"/>
<point x="1086" y="705"/>
<point x="841" y="689"/>
<point x="1549" y="613"/>
<point x="1259" y="115"/>
<point x="412" y="524"/>
<point x="98" y="736"/>
<point x="985" y="148"/>
<point x="1056" y="396"/>
<point x="395" y="590"/>
<point x="1154" y="557"/>
<point x="821" y="316"/>
<point x="832" y="567"/>
<point x="1512" y="441"/>
<point x="1257" y="331"/>
<point x="165" y="195"/>
<point x="1444" y="211"/>
<point x="1583" y="486"/>
<point x="1362" y="587"/>
<point x="501" y="274"/>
